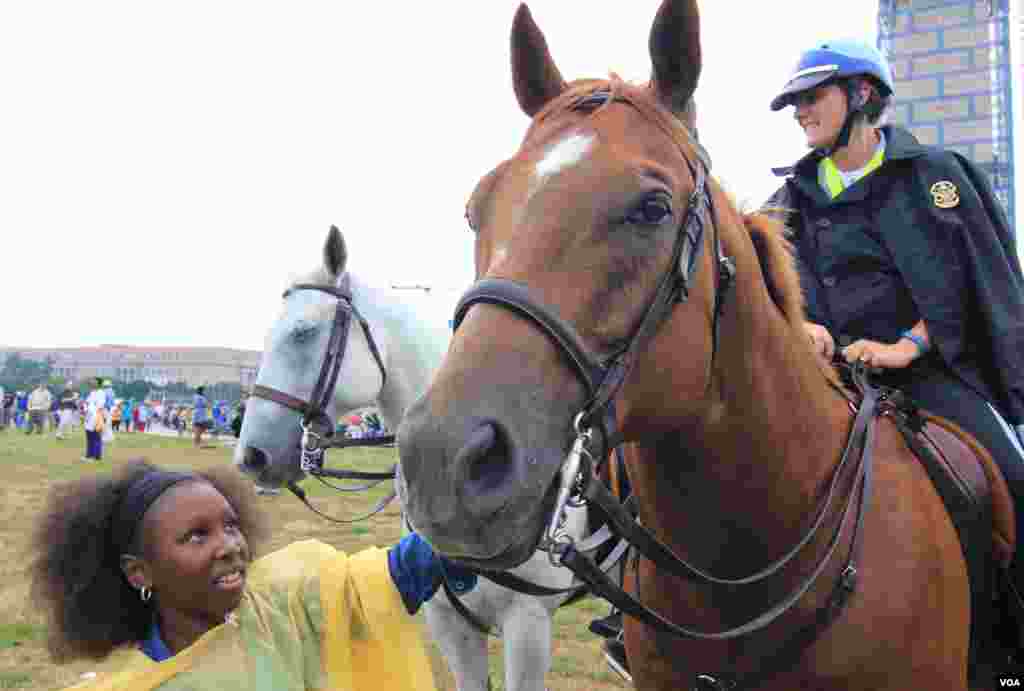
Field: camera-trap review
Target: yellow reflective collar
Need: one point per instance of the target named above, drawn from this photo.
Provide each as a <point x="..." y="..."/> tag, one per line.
<point x="832" y="180"/>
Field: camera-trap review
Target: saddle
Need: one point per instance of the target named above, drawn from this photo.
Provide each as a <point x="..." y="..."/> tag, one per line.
<point x="979" y="503"/>
<point x="969" y="466"/>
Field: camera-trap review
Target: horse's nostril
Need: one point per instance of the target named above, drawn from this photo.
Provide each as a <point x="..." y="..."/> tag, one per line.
<point x="486" y="458"/>
<point x="255" y="459"/>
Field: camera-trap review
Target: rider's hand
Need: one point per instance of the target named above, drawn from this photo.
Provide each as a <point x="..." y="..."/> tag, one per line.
<point x="881" y="355"/>
<point x="821" y="339"/>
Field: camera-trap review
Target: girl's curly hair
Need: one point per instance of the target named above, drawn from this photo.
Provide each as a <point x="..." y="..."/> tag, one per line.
<point x="77" y="576"/>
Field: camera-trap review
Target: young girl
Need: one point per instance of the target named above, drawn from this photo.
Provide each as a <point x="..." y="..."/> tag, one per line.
<point x="154" y="573"/>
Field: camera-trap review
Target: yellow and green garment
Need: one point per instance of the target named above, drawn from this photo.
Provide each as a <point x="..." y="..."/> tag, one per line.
<point x="311" y="618"/>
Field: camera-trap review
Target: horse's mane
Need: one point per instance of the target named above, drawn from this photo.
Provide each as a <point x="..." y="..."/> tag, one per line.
<point x="778" y="267"/>
<point x="775" y="254"/>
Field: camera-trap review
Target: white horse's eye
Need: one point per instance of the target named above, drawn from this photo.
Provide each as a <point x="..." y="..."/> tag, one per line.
<point x="304" y="333"/>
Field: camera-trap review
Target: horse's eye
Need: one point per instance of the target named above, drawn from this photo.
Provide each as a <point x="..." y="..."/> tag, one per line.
<point x="651" y="211"/>
<point x="304" y="334"/>
<point x="469" y="220"/>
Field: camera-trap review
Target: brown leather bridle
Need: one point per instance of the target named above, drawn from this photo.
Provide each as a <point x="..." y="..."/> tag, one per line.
<point x="317" y="427"/>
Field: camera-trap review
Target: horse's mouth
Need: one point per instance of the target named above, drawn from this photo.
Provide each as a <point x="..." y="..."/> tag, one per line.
<point x="512" y="554"/>
<point x="276" y="475"/>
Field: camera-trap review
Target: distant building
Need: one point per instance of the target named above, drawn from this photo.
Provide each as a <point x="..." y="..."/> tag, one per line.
<point x="951" y="60"/>
<point x="159" y="366"/>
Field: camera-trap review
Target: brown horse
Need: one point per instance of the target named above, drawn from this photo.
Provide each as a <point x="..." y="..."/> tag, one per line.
<point x="734" y="427"/>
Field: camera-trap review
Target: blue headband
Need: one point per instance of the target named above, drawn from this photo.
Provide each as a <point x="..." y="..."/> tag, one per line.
<point x="137" y="500"/>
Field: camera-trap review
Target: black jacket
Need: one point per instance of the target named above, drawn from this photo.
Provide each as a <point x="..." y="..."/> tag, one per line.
<point x="893" y="249"/>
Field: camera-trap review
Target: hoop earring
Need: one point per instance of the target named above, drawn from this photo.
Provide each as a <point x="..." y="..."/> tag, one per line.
<point x="145" y="593"/>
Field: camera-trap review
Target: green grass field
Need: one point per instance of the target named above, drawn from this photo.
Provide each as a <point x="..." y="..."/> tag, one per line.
<point x="32" y="464"/>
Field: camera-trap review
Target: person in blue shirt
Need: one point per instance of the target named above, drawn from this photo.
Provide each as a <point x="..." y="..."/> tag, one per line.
<point x="21" y="406"/>
<point x="108" y="391"/>
<point x="218" y="415"/>
<point x="201" y="421"/>
<point x="126" y="417"/>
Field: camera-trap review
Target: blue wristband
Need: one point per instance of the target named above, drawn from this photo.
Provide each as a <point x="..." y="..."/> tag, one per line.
<point x="922" y="345"/>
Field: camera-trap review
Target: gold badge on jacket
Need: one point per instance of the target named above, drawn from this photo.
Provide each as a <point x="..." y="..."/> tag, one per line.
<point x="945" y="194"/>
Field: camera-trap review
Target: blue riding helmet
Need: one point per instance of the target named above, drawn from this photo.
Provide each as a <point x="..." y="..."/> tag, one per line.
<point x="832" y="60"/>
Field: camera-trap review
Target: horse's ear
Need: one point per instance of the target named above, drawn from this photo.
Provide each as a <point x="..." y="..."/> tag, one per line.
<point x="675" y="53"/>
<point x="534" y="74"/>
<point x="335" y="254"/>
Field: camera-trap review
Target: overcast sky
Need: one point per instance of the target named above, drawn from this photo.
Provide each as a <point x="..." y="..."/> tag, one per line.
<point x="165" y="167"/>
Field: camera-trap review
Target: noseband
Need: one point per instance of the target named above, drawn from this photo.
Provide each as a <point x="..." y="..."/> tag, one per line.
<point x="317" y="427"/>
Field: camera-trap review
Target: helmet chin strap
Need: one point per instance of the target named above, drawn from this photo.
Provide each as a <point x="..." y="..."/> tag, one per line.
<point x="854" y="106"/>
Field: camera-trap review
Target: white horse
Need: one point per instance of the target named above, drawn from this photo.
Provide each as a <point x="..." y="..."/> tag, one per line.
<point x="410" y="350"/>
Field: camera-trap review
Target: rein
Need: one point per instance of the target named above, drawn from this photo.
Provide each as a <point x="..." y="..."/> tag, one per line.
<point x="786" y="651"/>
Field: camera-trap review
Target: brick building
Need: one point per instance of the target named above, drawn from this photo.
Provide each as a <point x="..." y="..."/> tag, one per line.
<point x="160" y="366"/>
<point x="951" y="60"/>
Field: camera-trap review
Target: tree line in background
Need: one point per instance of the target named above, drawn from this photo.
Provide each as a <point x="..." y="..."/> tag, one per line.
<point x="22" y="374"/>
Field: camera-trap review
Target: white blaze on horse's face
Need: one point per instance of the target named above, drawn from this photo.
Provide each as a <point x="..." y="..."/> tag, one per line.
<point x="567" y="153"/>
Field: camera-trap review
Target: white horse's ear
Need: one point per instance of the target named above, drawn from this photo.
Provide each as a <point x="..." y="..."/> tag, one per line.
<point x="335" y="253"/>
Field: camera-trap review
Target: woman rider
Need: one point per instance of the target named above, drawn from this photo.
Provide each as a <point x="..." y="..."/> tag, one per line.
<point x="906" y="258"/>
<point x="151" y="566"/>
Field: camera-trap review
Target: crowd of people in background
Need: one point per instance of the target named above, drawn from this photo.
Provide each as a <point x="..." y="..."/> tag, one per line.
<point x="101" y="414"/>
<point x="366" y="426"/>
